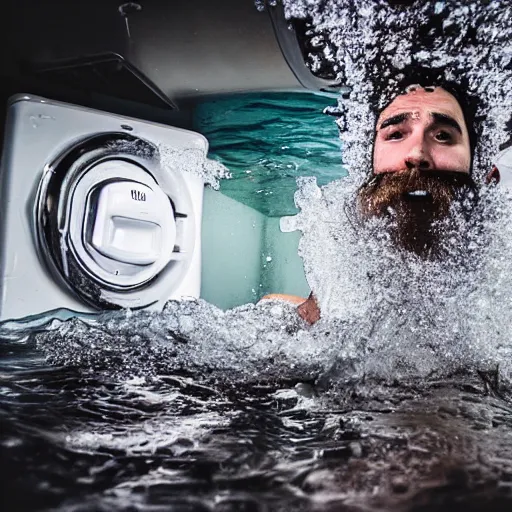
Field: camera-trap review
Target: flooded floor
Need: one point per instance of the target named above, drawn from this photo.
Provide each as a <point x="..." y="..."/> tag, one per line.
<point x="76" y="440"/>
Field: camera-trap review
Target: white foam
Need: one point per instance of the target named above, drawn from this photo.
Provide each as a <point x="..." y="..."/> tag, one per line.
<point x="195" y="161"/>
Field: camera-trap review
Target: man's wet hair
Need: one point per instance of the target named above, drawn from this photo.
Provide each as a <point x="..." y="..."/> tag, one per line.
<point x="458" y="88"/>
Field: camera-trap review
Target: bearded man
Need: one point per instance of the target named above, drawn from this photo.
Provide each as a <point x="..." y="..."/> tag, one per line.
<point x="422" y="163"/>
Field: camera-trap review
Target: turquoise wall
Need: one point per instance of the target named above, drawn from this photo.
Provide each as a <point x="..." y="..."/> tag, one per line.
<point x="245" y="255"/>
<point x="285" y="272"/>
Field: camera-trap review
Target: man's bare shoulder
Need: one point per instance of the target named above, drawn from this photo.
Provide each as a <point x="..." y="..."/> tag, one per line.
<point x="307" y="308"/>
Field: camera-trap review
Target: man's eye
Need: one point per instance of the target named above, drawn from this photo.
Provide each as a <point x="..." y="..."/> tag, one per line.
<point x="443" y="136"/>
<point x="396" y="135"/>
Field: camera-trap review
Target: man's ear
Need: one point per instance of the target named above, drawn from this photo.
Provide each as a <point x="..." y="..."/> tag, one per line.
<point x="493" y="177"/>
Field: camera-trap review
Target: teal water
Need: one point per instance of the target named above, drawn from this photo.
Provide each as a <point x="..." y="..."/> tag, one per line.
<point x="267" y="141"/>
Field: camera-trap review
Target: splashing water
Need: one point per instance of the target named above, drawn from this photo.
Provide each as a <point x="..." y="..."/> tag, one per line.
<point x="401" y="314"/>
<point x="415" y="313"/>
<point x="193" y="160"/>
<point x="193" y="336"/>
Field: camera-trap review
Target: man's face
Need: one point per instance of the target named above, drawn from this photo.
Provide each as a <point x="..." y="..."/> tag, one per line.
<point x="423" y="130"/>
<point x="421" y="165"/>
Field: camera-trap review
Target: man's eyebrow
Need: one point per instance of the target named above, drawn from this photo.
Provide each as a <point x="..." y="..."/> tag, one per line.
<point x="446" y="120"/>
<point x="399" y="118"/>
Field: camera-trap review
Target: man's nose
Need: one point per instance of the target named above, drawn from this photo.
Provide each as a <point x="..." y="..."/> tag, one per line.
<point x="418" y="157"/>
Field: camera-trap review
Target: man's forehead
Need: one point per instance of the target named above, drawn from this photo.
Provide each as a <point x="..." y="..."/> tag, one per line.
<point x="420" y="100"/>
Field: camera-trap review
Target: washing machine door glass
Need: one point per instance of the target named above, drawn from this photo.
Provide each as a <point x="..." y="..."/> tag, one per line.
<point x="122" y="229"/>
<point x="114" y="226"/>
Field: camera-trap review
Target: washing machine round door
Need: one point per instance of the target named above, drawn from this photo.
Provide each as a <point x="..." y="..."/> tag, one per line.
<point x="121" y="224"/>
<point x="110" y="229"/>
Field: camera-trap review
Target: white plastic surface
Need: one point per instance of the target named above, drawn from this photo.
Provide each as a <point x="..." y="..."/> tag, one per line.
<point x="133" y="223"/>
<point x="504" y="164"/>
<point x="26" y="285"/>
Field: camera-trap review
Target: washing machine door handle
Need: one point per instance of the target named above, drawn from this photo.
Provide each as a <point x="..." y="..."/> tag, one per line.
<point x="133" y="223"/>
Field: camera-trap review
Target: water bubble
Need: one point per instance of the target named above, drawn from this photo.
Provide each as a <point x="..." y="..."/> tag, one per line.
<point x="195" y="161"/>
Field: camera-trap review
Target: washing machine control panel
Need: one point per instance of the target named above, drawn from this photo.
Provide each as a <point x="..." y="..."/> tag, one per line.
<point x="133" y="223"/>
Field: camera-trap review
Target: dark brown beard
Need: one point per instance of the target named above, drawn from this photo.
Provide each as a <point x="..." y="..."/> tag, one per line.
<point x="415" y="227"/>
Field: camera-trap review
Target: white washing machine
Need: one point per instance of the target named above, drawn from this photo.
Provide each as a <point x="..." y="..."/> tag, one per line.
<point x="91" y="216"/>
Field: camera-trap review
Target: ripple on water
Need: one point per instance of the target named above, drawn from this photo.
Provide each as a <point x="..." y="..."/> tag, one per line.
<point x="78" y="442"/>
